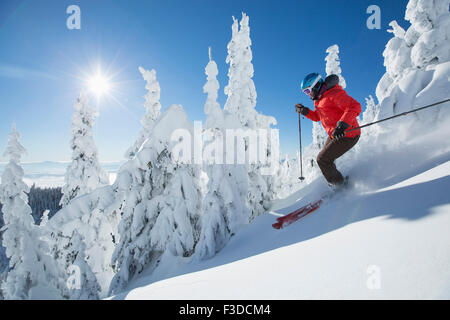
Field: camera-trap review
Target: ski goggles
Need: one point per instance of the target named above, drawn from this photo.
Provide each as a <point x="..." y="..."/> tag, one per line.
<point x="308" y="90"/>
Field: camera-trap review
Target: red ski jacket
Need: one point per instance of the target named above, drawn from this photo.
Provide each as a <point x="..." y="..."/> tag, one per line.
<point x="336" y="105"/>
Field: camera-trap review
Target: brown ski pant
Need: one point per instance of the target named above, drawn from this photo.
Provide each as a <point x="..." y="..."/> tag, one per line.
<point x="332" y="150"/>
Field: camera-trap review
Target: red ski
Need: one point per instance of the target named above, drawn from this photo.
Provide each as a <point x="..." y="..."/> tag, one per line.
<point x="290" y="218"/>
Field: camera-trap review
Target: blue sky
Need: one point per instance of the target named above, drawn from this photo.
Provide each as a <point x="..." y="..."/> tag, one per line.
<point x="42" y="61"/>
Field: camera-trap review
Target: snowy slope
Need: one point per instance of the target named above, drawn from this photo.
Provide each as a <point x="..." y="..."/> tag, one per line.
<point x="387" y="238"/>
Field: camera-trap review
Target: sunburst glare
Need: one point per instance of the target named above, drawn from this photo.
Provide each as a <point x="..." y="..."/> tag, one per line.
<point x="99" y="85"/>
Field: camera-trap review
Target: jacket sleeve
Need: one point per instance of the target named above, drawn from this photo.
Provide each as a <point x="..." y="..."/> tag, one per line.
<point x="312" y="115"/>
<point x="349" y="106"/>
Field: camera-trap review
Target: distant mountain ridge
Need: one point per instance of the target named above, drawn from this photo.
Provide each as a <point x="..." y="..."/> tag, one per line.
<point x="50" y="174"/>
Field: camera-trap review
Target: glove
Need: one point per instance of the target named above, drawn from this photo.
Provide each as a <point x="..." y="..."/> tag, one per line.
<point x="339" y="132"/>
<point x="299" y="108"/>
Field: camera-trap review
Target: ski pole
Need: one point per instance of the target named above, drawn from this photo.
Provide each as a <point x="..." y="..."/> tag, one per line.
<point x="401" y="114"/>
<point x="300" y="141"/>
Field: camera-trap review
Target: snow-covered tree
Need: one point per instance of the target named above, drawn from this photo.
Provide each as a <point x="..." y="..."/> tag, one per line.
<point x="162" y="201"/>
<point x="33" y="272"/>
<point x="177" y="226"/>
<point x="333" y="64"/>
<point x="310" y="168"/>
<point x="84" y="173"/>
<point x="215" y="117"/>
<point x="287" y="178"/>
<point x="429" y="33"/>
<point x="70" y="254"/>
<point x="397" y="54"/>
<point x="370" y="113"/>
<point x="153" y="110"/>
<point x="3" y="259"/>
<point x="44" y="218"/>
<point x="417" y="63"/>
<point x="94" y="217"/>
<point x="319" y="136"/>
<point x="223" y="207"/>
<point x="82" y="283"/>
<point x="281" y="178"/>
<point x="3" y="275"/>
<point x="241" y="91"/>
<point x="241" y="102"/>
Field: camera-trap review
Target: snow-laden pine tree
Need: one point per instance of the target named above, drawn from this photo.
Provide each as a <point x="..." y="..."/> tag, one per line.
<point x="240" y="90"/>
<point x="94" y="217"/>
<point x="310" y="168"/>
<point x="319" y="136"/>
<point x="333" y="64"/>
<point x="163" y="198"/>
<point x="152" y="107"/>
<point x="241" y="102"/>
<point x="397" y="57"/>
<point x="417" y="64"/>
<point x="84" y="173"/>
<point x="287" y="178"/>
<point x="429" y="33"/>
<point x="368" y="116"/>
<point x="44" y="218"/>
<point x="370" y="113"/>
<point x="32" y="271"/>
<point x="281" y="178"/>
<point x="215" y="116"/>
<point x="82" y="283"/>
<point x="223" y="207"/>
<point x="3" y="275"/>
<point x="3" y="259"/>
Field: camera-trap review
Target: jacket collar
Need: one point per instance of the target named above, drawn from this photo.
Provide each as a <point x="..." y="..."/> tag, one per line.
<point x="329" y="91"/>
<point x="329" y="83"/>
<point x="326" y="93"/>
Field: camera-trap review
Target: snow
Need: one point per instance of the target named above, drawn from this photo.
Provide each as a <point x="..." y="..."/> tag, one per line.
<point x="399" y="228"/>
<point x="332" y="266"/>
<point x="168" y="229"/>
<point x="431" y="22"/>
<point x="417" y="62"/>
<point x="430" y="175"/>
<point x="385" y="239"/>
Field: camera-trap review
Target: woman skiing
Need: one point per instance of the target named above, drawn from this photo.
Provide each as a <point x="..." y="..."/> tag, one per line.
<point x="337" y="112"/>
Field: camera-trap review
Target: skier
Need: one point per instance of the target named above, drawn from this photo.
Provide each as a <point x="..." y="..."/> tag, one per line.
<point x="337" y="112"/>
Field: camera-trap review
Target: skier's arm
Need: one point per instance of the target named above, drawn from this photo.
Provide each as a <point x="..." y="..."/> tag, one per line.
<point x="350" y="106"/>
<point x="312" y="115"/>
<point x="307" y="112"/>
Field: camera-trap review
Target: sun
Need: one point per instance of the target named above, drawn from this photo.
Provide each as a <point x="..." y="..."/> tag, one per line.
<point x="99" y="85"/>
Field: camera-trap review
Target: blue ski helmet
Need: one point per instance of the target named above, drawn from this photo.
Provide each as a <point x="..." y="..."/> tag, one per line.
<point x="311" y="84"/>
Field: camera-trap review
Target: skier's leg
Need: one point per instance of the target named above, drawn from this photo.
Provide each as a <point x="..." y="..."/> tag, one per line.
<point x="332" y="150"/>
